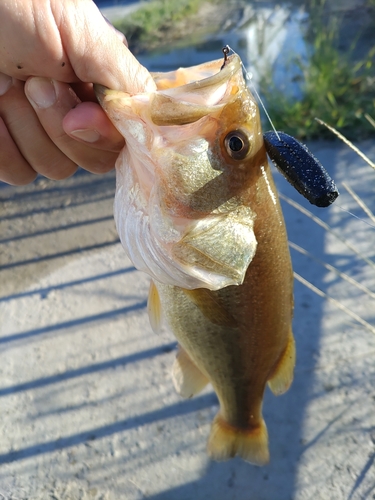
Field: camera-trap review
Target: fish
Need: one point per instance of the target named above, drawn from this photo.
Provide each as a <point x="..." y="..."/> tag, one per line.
<point x="197" y="209"/>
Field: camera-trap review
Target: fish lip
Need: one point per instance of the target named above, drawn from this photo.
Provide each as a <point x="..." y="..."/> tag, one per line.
<point x="100" y="92"/>
<point x="224" y="73"/>
<point x="232" y="65"/>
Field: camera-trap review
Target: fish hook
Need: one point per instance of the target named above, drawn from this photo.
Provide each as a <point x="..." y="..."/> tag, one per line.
<point x="226" y="51"/>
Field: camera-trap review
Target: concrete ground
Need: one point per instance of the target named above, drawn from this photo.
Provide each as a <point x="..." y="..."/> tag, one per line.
<point x="87" y="405"/>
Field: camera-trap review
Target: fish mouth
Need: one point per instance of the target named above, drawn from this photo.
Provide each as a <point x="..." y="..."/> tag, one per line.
<point x="204" y="79"/>
<point x="186" y="95"/>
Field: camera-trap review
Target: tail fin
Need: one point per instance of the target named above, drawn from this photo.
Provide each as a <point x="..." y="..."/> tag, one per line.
<point x="227" y="441"/>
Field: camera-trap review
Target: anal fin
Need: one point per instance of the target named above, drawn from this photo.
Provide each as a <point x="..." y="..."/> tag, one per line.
<point x="282" y="376"/>
<point x="187" y="377"/>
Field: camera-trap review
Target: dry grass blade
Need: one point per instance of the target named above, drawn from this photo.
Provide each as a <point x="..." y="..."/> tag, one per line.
<point x="350" y="144"/>
<point x="325" y="226"/>
<point x="338" y="304"/>
<point x="333" y="269"/>
<point x="370" y="119"/>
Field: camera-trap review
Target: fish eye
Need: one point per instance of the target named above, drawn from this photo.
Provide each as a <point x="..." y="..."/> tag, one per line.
<point x="237" y="144"/>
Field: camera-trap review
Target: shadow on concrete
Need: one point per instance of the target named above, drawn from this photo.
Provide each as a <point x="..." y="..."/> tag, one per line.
<point x="84" y="182"/>
<point x="104" y="316"/>
<point x="174" y="410"/>
<point x="56" y="206"/>
<point x="51" y="230"/>
<point x="44" y="196"/>
<point x="43" y="292"/>
<point x="57" y="255"/>
<point x="85" y="370"/>
<point x="369" y="464"/>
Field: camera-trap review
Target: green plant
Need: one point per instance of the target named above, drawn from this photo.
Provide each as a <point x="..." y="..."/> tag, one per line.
<point x="335" y="88"/>
<point x="147" y="25"/>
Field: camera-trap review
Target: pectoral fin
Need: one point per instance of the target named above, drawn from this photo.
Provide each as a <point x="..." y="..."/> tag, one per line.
<point x="219" y="249"/>
<point x="282" y="375"/>
<point x="187" y="377"/>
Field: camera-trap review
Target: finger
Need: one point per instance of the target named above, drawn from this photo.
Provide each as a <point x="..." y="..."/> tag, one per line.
<point x="52" y="101"/>
<point x="5" y="83"/>
<point x="69" y="42"/>
<point x="14" y="169"/>
<point x="29" y="137"/>
<point x="119" y="34"/>
<point x="87" y="122"/>
<point x="30" y="41"/>
<point x="97" y="54"/>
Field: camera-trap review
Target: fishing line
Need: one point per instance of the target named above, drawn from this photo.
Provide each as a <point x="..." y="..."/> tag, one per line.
<point x="248" y="77"/>
<point x="360" y="202"/>
<point x="355" y="216"/>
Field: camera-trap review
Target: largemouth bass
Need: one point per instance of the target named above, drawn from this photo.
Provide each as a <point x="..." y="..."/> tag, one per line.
<point x="197" y="209"/>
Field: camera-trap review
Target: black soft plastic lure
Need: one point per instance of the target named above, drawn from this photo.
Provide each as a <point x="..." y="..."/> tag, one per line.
<point x="300" y="167"/>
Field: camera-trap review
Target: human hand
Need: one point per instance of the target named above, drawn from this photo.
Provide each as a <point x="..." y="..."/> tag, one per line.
<point x="50" y="52"/>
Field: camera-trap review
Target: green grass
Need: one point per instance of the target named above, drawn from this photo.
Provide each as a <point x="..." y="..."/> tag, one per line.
<point x="336" y="88"/>
<point x="146" y="28"/>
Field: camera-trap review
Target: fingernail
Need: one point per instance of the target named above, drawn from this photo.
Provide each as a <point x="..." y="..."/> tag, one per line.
<point x="5" y="83"/>
<point x="87" y="135"/>
<point x="41" y="91"/>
